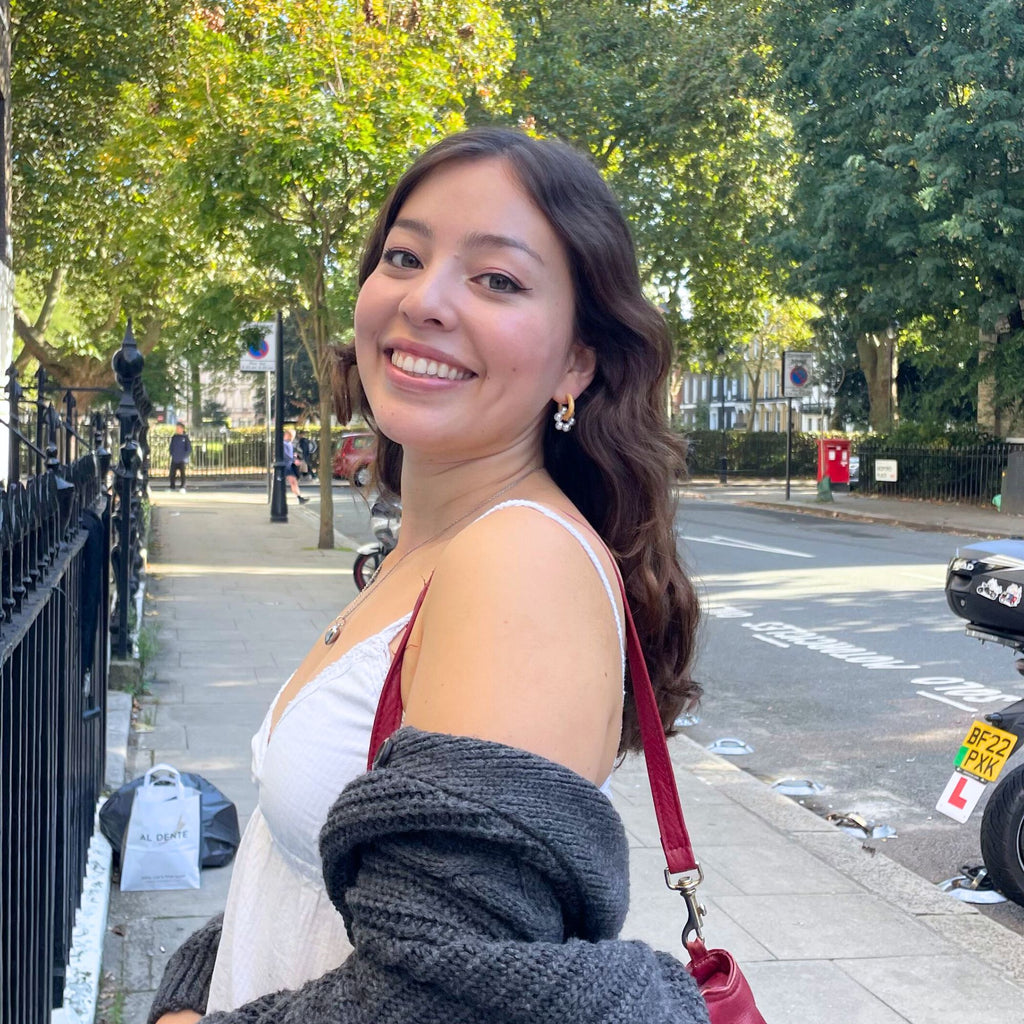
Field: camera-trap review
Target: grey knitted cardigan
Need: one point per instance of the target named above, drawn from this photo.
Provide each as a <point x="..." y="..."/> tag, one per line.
<point x="479" y="884"/>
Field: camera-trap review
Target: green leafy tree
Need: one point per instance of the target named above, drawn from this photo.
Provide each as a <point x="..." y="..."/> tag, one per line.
<point x="76" y="271"/>
<point x="289" y="120"/>
<point x="909" y="119"/>
<point x="670" y="101"/>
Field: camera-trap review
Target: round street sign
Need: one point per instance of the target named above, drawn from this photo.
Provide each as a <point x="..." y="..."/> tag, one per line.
<point x="797" y="368"/>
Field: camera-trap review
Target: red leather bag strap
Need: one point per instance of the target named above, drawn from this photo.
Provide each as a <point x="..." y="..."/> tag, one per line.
<point x="675" y="840"/>
<point x="389" y="706"/>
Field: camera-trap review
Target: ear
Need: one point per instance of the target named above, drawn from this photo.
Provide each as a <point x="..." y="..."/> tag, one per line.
<point x="582" y="366"/>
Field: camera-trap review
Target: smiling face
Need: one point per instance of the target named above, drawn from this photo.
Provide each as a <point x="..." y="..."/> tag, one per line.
<point x="464" y="330"/>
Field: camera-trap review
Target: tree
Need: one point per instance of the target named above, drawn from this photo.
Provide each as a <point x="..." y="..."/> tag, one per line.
<point x="669" y="100"/>
<point x="783" y="324"/>
<point x="909" y="119"/>
<point x="289" y="120"/>
<point x="70" y="63"/>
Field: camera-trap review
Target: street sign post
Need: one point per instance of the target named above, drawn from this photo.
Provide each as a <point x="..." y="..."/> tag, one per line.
<point x="797" y="374"/>
<point x="260" y="357"/>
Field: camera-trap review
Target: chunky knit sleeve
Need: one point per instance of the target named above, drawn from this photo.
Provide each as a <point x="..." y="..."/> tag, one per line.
<point x="480" y="884"/>
<point x="186" y="980"/>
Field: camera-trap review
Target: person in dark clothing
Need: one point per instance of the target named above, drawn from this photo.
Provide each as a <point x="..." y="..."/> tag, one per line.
<point x="306" y="451"/>
<point x="181" y="449"/>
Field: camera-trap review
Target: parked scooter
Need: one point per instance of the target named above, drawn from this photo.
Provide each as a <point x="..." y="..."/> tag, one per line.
<point x="385" y="521"/>
<point x="985" y="586"/>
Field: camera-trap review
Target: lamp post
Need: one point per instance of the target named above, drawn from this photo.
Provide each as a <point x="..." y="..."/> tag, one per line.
<point x="892" y="333"/>
<point x="723" y="462"/>
<point x="278" y="505"/>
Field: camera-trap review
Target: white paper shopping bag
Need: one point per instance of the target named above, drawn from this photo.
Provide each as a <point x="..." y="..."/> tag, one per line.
<point x="161" y="843"/>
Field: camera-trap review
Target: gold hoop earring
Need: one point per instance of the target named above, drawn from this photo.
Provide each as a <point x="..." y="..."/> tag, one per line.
<point x="565" y="418"/>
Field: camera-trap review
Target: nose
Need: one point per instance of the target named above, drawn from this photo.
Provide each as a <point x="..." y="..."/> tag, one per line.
<point x="428" y="298"/>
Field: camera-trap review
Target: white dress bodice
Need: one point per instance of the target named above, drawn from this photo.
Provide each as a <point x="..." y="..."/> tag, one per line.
<point x="280" y="928"/>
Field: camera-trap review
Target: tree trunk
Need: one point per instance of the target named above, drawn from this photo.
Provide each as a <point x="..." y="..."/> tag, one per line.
<point x="326" y="539"/>
<point x="878" y="360"/>
<point x="988" y="415"/>
<point x="195" y="398"/>
<point x="755" y="393"/>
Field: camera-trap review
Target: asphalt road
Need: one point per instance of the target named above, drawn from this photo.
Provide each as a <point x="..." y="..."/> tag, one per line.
<point x="879" y="728"/>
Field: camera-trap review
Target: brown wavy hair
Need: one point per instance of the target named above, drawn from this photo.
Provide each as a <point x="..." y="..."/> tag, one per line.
<point x="620" y="462"/>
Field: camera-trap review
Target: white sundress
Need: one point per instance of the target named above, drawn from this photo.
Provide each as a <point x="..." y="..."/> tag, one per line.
<point x="280" y="928"/>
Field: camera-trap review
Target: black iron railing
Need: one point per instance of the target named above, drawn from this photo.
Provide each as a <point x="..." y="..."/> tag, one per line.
<point x="934" y="472"/>
<point x="131" y="480"/>
<point x="216" y="452"/>
<point x="54" y="615"/>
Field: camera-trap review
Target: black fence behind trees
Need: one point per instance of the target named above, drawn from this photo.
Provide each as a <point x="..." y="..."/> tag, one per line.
<point x="216" y="452"/>
<point x="54" y="618"/>
<point x="939" y="471"/>
<point x="935" y="472"/>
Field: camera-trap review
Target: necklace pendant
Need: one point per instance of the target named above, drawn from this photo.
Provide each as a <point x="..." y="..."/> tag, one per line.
<point x="333" y="632"/>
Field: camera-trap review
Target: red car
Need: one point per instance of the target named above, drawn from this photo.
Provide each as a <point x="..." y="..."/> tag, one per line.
<point x="353" y="461"/>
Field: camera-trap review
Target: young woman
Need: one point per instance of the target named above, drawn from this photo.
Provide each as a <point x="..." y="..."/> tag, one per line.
<point x="515" y="375"/>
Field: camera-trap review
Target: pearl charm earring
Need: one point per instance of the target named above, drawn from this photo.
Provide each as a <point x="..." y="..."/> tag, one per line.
<point x="565" y="418"/>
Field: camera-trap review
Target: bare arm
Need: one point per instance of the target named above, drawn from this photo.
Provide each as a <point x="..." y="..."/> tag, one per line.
<point x="518" y="645"/>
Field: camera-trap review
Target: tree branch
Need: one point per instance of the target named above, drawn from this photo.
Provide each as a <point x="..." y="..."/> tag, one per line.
<point x="33" y="341"/>
<point x="53" y="289"/>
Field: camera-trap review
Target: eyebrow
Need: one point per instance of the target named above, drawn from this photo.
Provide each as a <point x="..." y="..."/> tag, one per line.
<point x="474" y="240"/>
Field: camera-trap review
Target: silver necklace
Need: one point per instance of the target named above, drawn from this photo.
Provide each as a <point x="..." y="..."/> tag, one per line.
<point x="333" y="631"/>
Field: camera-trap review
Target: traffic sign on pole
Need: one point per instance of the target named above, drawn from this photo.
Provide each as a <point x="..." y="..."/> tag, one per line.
<point x="258" y="356"/>
<point x="797" y="374"/>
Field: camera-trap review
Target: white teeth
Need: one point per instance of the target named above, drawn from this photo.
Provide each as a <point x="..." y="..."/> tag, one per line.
<point x="427" y="368"/>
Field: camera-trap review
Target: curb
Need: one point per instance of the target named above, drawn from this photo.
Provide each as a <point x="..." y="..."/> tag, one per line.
<point x="958" y="923"/>
<point x="85" y="960"/>
<point x="85" y="963"/>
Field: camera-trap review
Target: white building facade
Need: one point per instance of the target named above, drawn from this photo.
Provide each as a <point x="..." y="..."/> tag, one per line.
<point x="705" y="401"/>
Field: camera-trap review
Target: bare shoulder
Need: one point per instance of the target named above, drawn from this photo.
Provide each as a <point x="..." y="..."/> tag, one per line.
<point x="519" y="642"/>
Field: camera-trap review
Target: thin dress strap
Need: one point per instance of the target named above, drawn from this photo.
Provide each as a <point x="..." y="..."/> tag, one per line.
<point x="584" y="543"/>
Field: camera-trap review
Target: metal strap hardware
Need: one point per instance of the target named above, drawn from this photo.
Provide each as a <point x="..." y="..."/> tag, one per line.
<point x="686" y="886"/>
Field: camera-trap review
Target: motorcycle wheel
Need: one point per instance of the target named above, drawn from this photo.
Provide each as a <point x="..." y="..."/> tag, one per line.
<point x="364" y="567"/>
<point x="1002" y="836"/>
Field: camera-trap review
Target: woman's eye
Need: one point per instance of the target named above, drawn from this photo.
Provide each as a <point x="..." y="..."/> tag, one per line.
<point x="400" y="258"/>
<point x="500" y="283"/>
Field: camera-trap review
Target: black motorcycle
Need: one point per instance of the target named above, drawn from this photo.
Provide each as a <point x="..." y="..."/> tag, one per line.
<point x="985" y="586"/>
<point x="385" y="521"/>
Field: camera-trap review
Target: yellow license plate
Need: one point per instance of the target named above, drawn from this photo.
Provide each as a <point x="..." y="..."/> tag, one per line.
<point x="985" y="750"/>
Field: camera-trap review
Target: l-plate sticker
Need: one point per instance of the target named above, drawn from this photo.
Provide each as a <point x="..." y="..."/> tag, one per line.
<point x="960" y="797"/>
<point x="782" y="634"/>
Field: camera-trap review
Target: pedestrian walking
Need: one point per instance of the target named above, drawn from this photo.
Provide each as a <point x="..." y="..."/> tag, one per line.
<point x="514" y="374"/>
<point x="291" y="470"/>
<point x="307" y="449"/>
<point x="181" y="452"/>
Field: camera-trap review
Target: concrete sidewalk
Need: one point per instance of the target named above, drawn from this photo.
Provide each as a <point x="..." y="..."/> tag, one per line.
<point x="944" y="517"/>
<point x="826" y="929"/>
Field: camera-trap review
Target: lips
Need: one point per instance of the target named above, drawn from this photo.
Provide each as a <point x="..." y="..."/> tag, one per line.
<point x="420" y="366"/>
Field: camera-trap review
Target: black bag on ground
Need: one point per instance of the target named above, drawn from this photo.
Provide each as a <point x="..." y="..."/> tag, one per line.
<point x="218" y="817"/>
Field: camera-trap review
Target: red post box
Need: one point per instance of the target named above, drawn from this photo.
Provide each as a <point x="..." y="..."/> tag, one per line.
<point x="834" y="461"/>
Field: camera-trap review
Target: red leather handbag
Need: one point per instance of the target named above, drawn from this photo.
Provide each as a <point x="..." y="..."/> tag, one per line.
<point x="718" y="976"/>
